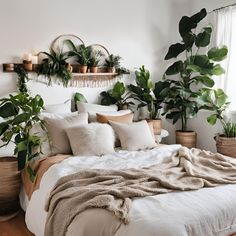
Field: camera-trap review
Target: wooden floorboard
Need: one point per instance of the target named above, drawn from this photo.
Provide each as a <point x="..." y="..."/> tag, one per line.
<point x="15" y="226"/>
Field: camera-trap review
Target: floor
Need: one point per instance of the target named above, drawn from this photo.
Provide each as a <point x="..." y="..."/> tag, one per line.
<point x="15" y="227"/>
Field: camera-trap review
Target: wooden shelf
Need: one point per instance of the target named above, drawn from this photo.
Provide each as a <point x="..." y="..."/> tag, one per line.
<point x="18" y="64"/>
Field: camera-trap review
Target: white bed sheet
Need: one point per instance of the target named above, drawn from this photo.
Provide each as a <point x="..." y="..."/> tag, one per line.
<point x="174" y="214"/>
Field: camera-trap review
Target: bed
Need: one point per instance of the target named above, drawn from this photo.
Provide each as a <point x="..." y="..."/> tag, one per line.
<point x="206" y="212"/>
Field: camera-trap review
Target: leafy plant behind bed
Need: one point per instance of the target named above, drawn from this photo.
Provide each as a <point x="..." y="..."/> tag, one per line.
<point x="147" y="93"/>
<point x="196" y="69"/>
<point x="118" y="96"/>
<point x="55" y="65"/>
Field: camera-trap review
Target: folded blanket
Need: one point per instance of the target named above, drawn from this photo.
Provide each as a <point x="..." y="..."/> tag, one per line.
<point x="114" y="189"/>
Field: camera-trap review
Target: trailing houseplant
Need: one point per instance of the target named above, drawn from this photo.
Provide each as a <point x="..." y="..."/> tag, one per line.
<point x="22" y="78"/>
<point x="55" y="65"/>
<point x="194" y="71"/>
<point x="118" y="96"/>
<point x="148" y="95"/>
<point x="216" y="102"/>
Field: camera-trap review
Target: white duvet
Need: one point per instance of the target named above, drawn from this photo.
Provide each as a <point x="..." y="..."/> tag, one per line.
<point x="205" y="212"/>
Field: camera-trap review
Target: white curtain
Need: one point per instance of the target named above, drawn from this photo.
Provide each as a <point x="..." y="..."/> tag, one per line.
<point x="222" y="22"/>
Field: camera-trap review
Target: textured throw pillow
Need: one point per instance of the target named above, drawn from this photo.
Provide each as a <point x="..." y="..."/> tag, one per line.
<point x="91" y="140"/>
<point x="56" y="126"/>
<point x="58" y="108"/>
<point x="134" y="136"/>
<point x="126" y="118"/>
<point x="92" y="109"/>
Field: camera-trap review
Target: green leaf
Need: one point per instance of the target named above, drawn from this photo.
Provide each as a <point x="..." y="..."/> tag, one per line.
<point x="8" y="110"/>
<point x="118" y="89"/>
<point x="21" y="158"/>
<point x="212" y="119"/>
<point x="3" y="127"/>
<point x="189" y="39"/>
<point x="80" y="98"/>
<point x="218" y="54"/>
<point x="24" y="117"/>
<point x="31" y="173"/>
<point x="174" y="50"/>
<point x="218" y="70"/>
<point x="207" y="81"/>
<point x="175" y="68"/>
<point x="203" y="38"/>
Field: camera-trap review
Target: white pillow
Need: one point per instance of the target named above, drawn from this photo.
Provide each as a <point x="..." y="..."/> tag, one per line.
<point x="92" y="109"/>
<point x="94" y="139"/>
<point x="58" y="108"/>
<point x="56" y="127"/>
<point x="134" y="136"/>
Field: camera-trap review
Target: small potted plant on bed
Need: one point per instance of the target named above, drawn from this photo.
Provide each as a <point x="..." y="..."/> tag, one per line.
<point x="195" y="71"/>
<point x="112" y="62"/>
<point x="118" y="96"/>
<point x="148" y="95"/>
<point x="94" y="59"/>
<point x="55" y="65"/>
<point x="216" y="102"/>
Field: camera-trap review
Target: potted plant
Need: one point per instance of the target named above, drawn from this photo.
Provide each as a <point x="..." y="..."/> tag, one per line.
<point x="148" y="95"/>
<point x="112" y="62"/>
<point x="55" y="65"/>
<point x="118" y="96"/>
<point x="194" y="71"/>
<point x="22" y="78"/>
<point x="216" y="102"/>
<point x="94" y="59"/>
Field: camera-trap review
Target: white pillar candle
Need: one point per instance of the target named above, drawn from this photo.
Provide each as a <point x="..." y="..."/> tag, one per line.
<point x="34" y="59"/>
<point x="27" y="57"/>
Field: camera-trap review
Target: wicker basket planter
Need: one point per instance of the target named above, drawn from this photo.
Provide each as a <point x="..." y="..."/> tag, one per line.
<point x="10" y="187"/>
<point x="187" y="139"/>
<point x="226" y="146"/>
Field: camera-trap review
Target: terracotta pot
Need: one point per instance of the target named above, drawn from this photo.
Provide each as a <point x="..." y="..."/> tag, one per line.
<point x="10" y="187"/>
<point x="156" y="125"/>
<point x="69" y="67"/>
<point x="27" y="65"/>
<point x="83" y="69"/>
<point x="187" y="138"/>
<point x="111" y="70"/>
<point x="93" y="69"/>
<point x="226" y="146"/>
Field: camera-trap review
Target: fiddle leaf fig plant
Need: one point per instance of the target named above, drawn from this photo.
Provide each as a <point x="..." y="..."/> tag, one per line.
<point x="195" y="69"/>
<point x="147" y="93"/>
<point x="118" y="96"/>
<point x="20" y="113"/>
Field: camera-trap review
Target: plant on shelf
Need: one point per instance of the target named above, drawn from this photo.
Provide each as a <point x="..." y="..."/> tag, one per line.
<point x="22" y="78"/>
<point x="112" y="62"/>
<point x="20" y="113"/>
<point x="55" y="65"/>
<point x="194" y="71"/>
<point x="118" y="96"/>
<point x="148" y="95"/>
<point x="81" y="54"/>
<point x="94" y="59"/>
<point x="216" y="102"/>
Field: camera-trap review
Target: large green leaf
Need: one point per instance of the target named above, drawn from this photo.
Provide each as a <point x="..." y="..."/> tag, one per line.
<point x="218" y="54"/>
<point x="175" y="68"/>
<point x="159" y="87"/>
<point x="8" y="110"/>
<point x="118" y="89"/>
<point x="24" y="117"/>
<point x="212" y="119"/>
<point x="107" y="99"/>
<point x="218" y="70"/>
<point x="3" y="127"/>
<point x="203" y="38"/>
<point x="135" y="89"/>
<point x="174" y="50"/>
<point x="186" y="24"/>
<point x="189" y="39"/>
<point x="207" y="81"/>
<point x="21" y="158"/>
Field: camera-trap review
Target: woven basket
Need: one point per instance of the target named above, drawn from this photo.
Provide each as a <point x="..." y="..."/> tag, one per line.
<point x="10" y="187"/>
<point x="187" y="139"/>
<point x="226" y="146"/>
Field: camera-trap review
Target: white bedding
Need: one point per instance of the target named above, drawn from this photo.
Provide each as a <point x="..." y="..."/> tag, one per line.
<point x="206" y="212"/>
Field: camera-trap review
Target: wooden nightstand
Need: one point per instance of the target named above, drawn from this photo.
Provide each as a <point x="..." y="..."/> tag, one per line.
<point x="10" y="188"/>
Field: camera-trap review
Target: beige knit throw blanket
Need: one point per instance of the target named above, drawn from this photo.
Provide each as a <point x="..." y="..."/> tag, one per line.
<point x="114" y="189"/>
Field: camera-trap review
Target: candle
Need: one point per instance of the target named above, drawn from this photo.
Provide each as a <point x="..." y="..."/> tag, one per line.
<point x="27" y="57"/>
<point x="34" y="59"/>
